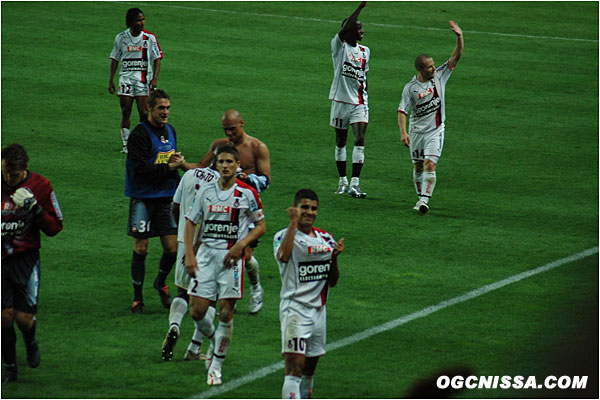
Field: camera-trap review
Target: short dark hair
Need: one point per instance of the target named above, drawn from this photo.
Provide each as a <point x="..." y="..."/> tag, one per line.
<point x="157" y="94"/>
<point x="305" y="194"/>
<point x="15" y="156"/>
<point x="420" y="61"/>
<point x="229" y="149"/>
<point x="131" y="14"/>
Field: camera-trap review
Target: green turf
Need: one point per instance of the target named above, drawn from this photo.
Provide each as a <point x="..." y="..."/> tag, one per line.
<point x="517" y="188"/>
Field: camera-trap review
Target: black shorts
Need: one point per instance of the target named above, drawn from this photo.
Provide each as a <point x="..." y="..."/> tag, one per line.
<point x="21" y="281"/>
<point x="150" y="218"/>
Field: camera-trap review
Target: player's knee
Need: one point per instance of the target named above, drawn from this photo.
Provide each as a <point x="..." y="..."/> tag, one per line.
<point x="8" y="317"/>
<point x="196" y="313"/>
<point x="182" y="294"/>
<point x="429" y="165"/>
<point x="24" y="320"/>
<point x="294" y="364"/>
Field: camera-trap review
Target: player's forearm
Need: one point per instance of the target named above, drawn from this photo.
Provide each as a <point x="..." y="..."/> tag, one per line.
<point x="458" y="50"/>
<point x="190" y="228"/>
<point x="334" y="273"/>
<point x="156" y="69"/>
<point x="287" y="244"/>
<point x="402" y="122"/>
<point x="259" y="230"/>
<point x="113" y="70"/>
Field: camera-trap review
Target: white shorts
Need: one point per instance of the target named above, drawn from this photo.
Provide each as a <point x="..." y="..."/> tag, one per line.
<point x="182" y="278"/>
<point x="344" y="114"/>
<point x="427" y="146"/>
<point x="303" y="329"/>
<point x="213" y="280"/>
<point x="132" y="87"/>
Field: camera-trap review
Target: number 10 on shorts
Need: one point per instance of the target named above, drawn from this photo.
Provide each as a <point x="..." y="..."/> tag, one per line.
<point x="297" y="345"/>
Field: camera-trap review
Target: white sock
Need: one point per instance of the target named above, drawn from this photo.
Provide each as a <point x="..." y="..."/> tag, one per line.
<point x="417" y="179"/>
<point x="223" y="336"/>
<point x="340" y="153"/>
<point x="354" y="181"/>
<point x="124" y="135"/>
<point x="177" y="311"/>
<point x="358" y="155"/>
<point x="306" y="387"/>
<point x="204" y="328"/>
<point x="344" y="180"/>
<point x="253" y="272"/>
<point x="291" y="387"/>
<point x="429" y="179"/>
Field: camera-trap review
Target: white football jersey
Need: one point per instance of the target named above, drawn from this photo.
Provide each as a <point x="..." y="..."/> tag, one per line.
<point x="425" y="101"/>
<point x="304" y="276"/>
<point x="225" y="214"/>
<point x="350" y="66"/>
<point x="136" y="54"/>
<point x="189" y="184"/>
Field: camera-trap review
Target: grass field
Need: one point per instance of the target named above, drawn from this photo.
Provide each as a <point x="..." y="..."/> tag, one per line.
<point x="517" y="189"/>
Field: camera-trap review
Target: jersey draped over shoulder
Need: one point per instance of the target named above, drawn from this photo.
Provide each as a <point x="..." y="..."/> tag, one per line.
<point x="304" y="276"/>
<point x="425" y="101"/>
<point x="350" y="66"/>
<point x="136" y="55"/>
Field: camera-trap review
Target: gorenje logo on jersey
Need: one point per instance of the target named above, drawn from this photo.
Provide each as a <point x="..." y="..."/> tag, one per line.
<point x="350" y="71"/>
<point x="13" y="228"/>
<point x="429" y="107"/>
<point x="220" y="230"/>
<point x="135" y="64"/>
<point x="219" y="209"/>
<point x="313" y="271"/>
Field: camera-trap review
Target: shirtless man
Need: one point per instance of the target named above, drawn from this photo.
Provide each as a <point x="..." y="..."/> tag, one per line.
<point x="255" y="164"/>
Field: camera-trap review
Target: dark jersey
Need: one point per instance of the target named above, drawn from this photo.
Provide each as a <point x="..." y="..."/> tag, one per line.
<point x="20" y="229"/>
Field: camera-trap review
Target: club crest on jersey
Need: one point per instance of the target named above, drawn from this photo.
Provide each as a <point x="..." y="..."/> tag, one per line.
<point x="236" y="203"/>
<point x="219" y="209"/>
<point x="319" y="249"/>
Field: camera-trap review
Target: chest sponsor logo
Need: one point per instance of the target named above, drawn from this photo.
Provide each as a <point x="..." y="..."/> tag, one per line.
<point x="220" y="230"/>
<point x="219" y="209"/>
<point x="13" y="228"/>
<point x="430" y="106"/>
<point x="135" y="64"/>
<point x="311" y="271"/>
<point x="353" y="72"/>
<point x="319" y="249"/>
<point x="163" y="157"/>
<point x="134" y="48"/>
<point x="425" y="93"/>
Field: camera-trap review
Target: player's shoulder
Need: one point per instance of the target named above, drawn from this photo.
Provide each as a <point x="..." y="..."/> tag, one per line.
<point x="243" y="186"/>
<point x="150" y="34"/>
<point x="323" y="233"/>
<point x="279" y="235"/>
<point x="37" y="183"/>
<point x="121" y="35"/>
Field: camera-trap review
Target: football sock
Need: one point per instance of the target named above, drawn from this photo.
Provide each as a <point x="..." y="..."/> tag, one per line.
<point x="124" y="135"/>
<point x="223" y="336"/>
<point x="9" y="349"/>
<point x="206" y="326"/>
<point x="165" y="266"/>
<point x="417" y="179"/>
<point x="429" y="180"/>
<point x="291" y="387"/>
<point x="358" y="159"/>
<point x="29" y="336"/>
<point x="138" y="270"/>
<point x="340" y="160"/>
<point x="253" y="272"/>
<point x="306" y="386"/>
<point x="177" y="311"/>
<point x="344" y="180"/>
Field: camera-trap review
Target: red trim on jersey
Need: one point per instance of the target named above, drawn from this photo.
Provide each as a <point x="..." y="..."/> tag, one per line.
<point x="324" y="293"/>
<point x="361" y="99"/>
<point x="144" y="77"/>
<point x="438" y="113"/>
<point x="254" y="192"/>
<point x="157" y="44"/>
<point x="235" y="217"/>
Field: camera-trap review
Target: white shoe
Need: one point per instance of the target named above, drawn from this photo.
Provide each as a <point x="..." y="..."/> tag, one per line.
<point x="209" y="353"/>
<point x="423" y="207"/>
<point x="214" y="377"/>
<point x="256" y="300"/>
<point x="356" y="192"/>
<point x="417" y="205"/>
<point x="342" y="188"/>
<point x="124" y="151"/>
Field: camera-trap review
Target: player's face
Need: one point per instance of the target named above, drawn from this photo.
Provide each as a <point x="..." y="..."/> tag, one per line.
<point x="227" y="165"/>
<point x="428" y="70"/>
<point x="159" y="114"/>
<point x="138" y="24"/>
<point x="308" y="212"/>
<point x="233" y="129"/>
<point x="360" y="32"/>
<point x="13" y="176"/>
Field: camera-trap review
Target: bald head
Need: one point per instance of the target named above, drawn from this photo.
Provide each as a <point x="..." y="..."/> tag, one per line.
<point x="232" y="117"/>
<point x="233" y="125"/>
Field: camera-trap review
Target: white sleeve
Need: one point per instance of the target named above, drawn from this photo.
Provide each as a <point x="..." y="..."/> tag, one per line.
<point x="179" y="191"/>
<point x="195" y="213"/>
<point x="336" y="44"/>
<point x="406" y="101"/>
<point x="443" y="73"/>
<point x="116" y="51"/>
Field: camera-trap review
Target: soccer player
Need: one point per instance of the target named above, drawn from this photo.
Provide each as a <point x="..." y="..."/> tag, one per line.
<point x="349" y="99"/>
<point x="307" y="258"/>
<point x="223" y="209"/>
<point x="29" y="205"/>
<point x="190" y="183"/>
<point x="256" y="171"/>
<point x="150" y="181"/>
<point x="139" y="54"/>
<point x="423" y="97"/>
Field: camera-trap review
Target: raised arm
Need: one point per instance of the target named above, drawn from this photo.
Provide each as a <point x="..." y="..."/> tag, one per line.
<point x="458" y="49"/>
<point x="351" y="20"/>
<point x="287" y="244"/>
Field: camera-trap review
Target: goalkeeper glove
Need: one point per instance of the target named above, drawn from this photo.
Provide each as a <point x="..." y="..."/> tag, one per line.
<point x="23" y="197"/>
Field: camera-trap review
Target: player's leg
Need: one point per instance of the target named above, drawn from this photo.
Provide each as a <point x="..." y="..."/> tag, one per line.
<point x="432" y="153"/>
<point x="308" y="372"/>
<point x="315" y="348"/>
<point x="164" y="225"/>
<point x="27" y="325"/>
<point x="142" y="103"/>
<point x="9" y="340"/>
<point x="252" y="268"/>
<point x="138" y="227"/>
<point x="358" y="158"/>
<point x="126" y="103"/>
<point x="203" y="329"/>
<point x="296" y="329"/>
<point x="294" y="364"/>
<point x="339" y="121"/>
